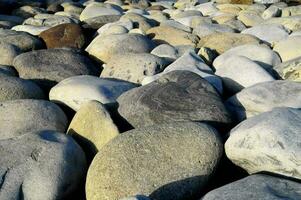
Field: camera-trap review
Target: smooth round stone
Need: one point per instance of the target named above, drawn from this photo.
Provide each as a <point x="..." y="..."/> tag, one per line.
<point x="6" y="24"/>
<point x="221" y="42"/>
<point x="8" y="70"/>
<point x="272" y="11"/>
<point x="258" y="186"/>
<point x="177" y="25"/>
<point x="290" y="70"/>
<point x="175" y="96"/>
<point x="259" y="54"/>
<point x="237" y="25"/>
<point x="207" y="9"/>
<point x="99" y="9"/>
<point x="75" y="91"/>
<point x="250" y="18"/>
<point x="189" y="61"/>
<point x="245" y="2"/>
<point x="33" y="30"/>
<point x="92" y="127"/>
<point x="105" y="47"/>
<point x="12" y="19"/>
<point x="268" y="33"/>
<point x="133" y="67"/>
<point x="137" y="197"/>
<point x="49" y="20"/>
<point x="264" y="97"/>
<point x="28" y="11"/>
<point x="290" y="11"/>
<point x="7" y="53"/>
<point x="166" y="51"/>
<point x="12" y="88"/>
<point x="64" y="35"/>
<point x="47" y="67"/>
<point x="193" y="21"/>
<point x="187" y="13"/>
<point x="238" y="72"/>
<point x="270" y="140"/>
<point x="165" y="162"/>
<point x="115" y="29"/>
<point x="207" y="29"/>
<point x="140" y="21"/>
<point x="128" y="24"/>
<point x="169" y="35"/>
<point x="99" y="21"/>
<point x="28" y="115"/>
<point x="289" y="49"/>
<point x="43" y="165"/>
<point x="266" y="1"/>
<point x="24" y="41"/>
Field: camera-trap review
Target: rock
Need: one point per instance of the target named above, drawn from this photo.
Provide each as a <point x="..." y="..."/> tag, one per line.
<point x="288" y="49"/>
<point x="92" y="127"/>
<point x="115" y="29"/>
<point x="207" y="29"/>
<point x="133" y="67"/>
<point x="8" y="70"/>
<point x="12" y="88"/>
<point x="260" y="54"/>
<point x="128" y="25"/>
<point x="105" y="47"/>
<point x="263" y="97"/>
<point x="88" y="88"/>
<point x="43" y="165"/>
<point x="207" y="54"/>
<point x="272" y="11"/>
<point x="175" y="96"/>
<point x="64" y="35"/>
<point x="177" y="25"/>
<point x="290" y="11"/>
<point x="266" y="1"/>
<point x="166" y="51"/>
<point x="28" y="115"/>
<point x="173" y="36"/>
<point x="137" y="197"/>
<point x="268" y="33"/>
<point x="47" y="67"/>
<point x="99" y="21"/>
<point x="7" y="53"/>
<point x="12" y="19"/>
<point x="237" y="25"/>
<point x="207" y="8"/>
<point x="255" y="187"/>
<point x="189" y="61"/>
<point x="221" y="42"/>
<point x="271" y="141"/>
<point x="24" y="41"/>
<point x="131" y="163"/>
<point x="99" y="9"/>
<point x="33" y="30"/>
<point x="49" y="20"/>
<point x="238" y="72"/>
<point x="290" y="70"/>
<point x="246" y="2"/>
<point x="250" y="17"/>
<point x="292" y="23"/>
<point x="28" y="11"/>
<point x="140" y="21"/>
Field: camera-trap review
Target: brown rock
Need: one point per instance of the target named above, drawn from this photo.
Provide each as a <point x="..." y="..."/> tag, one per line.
<point x="64" y="35"/>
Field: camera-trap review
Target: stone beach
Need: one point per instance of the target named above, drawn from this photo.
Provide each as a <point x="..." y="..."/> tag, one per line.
<point x="150" y="100"/>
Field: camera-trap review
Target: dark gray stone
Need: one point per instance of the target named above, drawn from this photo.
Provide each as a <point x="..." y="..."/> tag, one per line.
<point x="255" y="187"/>
<point x="45" y="165"/>
<point x="47" y="67"/>
<point x="97" y="22"/>
<point x="28" y="115"/>
<point x="175" y="96"/>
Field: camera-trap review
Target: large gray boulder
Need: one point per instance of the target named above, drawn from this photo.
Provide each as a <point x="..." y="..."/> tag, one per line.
<point x="165" y="162"/>
<point x="263" y="97"/>
<point x="45" y="165"/>
<point x="268" y="142"/>
<point x="47" y="67"/>
<point x="175" y="96"/>
<point x="256" y="187"/>
<point x="27" y="115"/>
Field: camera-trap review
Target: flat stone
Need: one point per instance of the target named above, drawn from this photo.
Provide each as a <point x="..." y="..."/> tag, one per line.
<point x="260" y="54"/>
<point x="64" y="35"/>
<point x="88" y="88"/>
<point x="207" y="29"/>
<point x="263" y="97"/>
<point x="27" y="11"/>
<point x="292" y="23"/>
<point x="221" y="42"/>
<point x="43" y="165"/>
<point x="169" y="35"/>
<point x="238" y="72"/>
<point x="140" y="162"/>
<point x="105" y="47"/>
<point x="28" y="115"/>
<point x="175" y="96"/>
<point x="99" y="21"/>
<point x="133" y="67"/>
<point x="290" y="70"/>
<point x="47" y="67"/>
<point x="207" y="8"/>
<point x="272" y="11"/>
<point x="33" y="30"/>
<point x="271" y="141"/>
<point x="256" y="187"/>
<point x="250" y="18"/>
<point x="92" y="127"/>
<point x="268" y="33"/>
<point x="288" y="49"/>
<point x="12" y="88"/>
<point x="24" y="41"/>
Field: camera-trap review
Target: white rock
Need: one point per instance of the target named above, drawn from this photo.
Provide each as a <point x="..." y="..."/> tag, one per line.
<point x="76" y="90"/>
<point x="268" y="142"/>
<point x="98" y="9"/>
<point x="289" y="49"/>
<point x="33" y="30"/>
